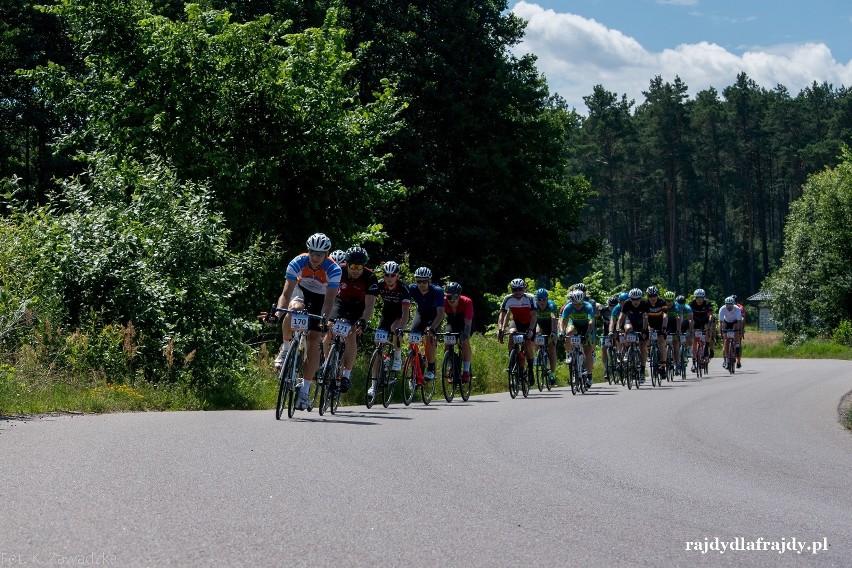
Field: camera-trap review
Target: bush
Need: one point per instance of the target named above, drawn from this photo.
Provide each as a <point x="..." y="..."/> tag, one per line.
<point x="842" y="334"/>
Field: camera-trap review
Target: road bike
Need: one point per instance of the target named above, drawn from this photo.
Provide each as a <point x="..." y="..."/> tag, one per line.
<point x="290" y="378"/>
<point x="329" y="375"/>
<point x="613" y="368"/>
<point x="451" y="370"/>
<point x="699" y="353"/>
<point x="412" y="372"/>
<point x="654" y="358"/>
<point x="731" y="350"/>
<point x="518" y="369"/>
<point x="684" y="355"/>
<point x="670" y="360"/>
<point x="631" y="361"/>
<point x="577" y="365"/>
<point x="542" y="362"/>
<point x="382" y="379"/>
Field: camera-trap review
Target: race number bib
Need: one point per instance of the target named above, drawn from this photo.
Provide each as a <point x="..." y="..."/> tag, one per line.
<point x="576" y="340"/>
<point x="518" y="338"/>
<point x="653" y="336"/>
<point x="699" y="334"/>
<point x="540" y="340"/>
<point x="607" y="342"/>
<point x="381" y="336"/>
<point x="683" y="337"/>
<point x="449" y="339"/>
<point x="415" y="337"/>
<point x="299" y="322"/>
<point x="341" y="328"/>
<point x="730" y="334"/>
<point x="632" y="337"/>
<point x="669" y="339"/>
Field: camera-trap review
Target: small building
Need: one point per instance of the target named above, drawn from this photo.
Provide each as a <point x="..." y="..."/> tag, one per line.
<point x="765" y="321"/>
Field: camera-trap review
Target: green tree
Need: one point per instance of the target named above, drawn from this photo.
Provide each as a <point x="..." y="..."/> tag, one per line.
<point x="812" y="291"/>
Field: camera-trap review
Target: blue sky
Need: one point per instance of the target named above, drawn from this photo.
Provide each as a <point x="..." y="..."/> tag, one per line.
<point x="622" y="44"/>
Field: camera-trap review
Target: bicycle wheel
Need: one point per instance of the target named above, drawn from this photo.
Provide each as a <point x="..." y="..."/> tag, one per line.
<point x="610" y="366"/>
<point x="581" y="373"/>
<point x="464" y="387"/>
<point x="329" y="375"/>
<point x="409" y="379"/>
<point x="525" y="373"/>
<point x="655" y="365"/>
<point x="540" y="377"/>
<point x="546" y="371"/>
<point x="285" y="385"/>
<point x="512" y="372"/>
<point x="634" y="364"/>
<point x="427" y="388"/>
<point x="375" y="377"/>
<point x="670" y="368"/>
<point x="447" y="376"/>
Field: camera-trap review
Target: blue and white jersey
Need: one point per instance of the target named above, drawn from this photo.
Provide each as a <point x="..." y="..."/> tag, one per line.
<point x="327" y="275"/>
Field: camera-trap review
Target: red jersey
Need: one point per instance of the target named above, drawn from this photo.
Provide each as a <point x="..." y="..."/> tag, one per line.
<point x="464" y="307"/>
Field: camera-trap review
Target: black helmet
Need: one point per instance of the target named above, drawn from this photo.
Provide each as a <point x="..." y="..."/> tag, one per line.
<point x="454" y="288"/>
<point x="357" y="255"/>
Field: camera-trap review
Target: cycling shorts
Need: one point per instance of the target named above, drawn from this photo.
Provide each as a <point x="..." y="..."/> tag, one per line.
<point x="313" y="304"/>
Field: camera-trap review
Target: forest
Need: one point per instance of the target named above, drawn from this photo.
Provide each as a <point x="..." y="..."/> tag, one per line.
<point x="160" y="162"/>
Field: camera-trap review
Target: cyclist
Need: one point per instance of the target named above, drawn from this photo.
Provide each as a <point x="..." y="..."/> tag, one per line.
<point x="459" y="312"/>
<point x="730" y="317"/>
<point x="578" y="318"/>
<point x="545" y="317"/>
<point x="682" y="315"/>
<point x="634" y="317"/>
<point x="657" y="321"/>
<point x="356" y="298"/>
<point x="702" y="314"/>
<point x="742" y="330"/>
<point x="614" y="327"/>
<point x="396" y="301"/>
<point x="524" y="318"/>
<point x="430" y="313"/>
<point x="606" y="318"/>
<point x="311" y="283"/>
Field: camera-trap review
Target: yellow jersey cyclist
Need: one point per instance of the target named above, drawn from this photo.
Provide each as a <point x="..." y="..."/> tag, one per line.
<point x="546" y="316"/>
<point x="578" y="318"/>
<point x="311" y="284"/>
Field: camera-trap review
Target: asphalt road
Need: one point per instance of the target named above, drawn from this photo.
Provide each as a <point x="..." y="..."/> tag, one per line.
<point x="611" y="478"/>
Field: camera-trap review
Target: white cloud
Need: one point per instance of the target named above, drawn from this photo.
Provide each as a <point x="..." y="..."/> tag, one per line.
<point x="577" y="53"/>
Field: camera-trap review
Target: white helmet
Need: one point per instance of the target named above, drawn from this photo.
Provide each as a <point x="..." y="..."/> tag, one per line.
<point x="423" y="272"/>
<point x="338" y="256"/>
<point x="518" y="284"/>
<point x="319" y="242"/>
<point x="635" y="294"/>
<point x="730" y="301"/>
<point x="700" y="293"/>
<point x="390" y="267"/>
<point x="576" y="296"/>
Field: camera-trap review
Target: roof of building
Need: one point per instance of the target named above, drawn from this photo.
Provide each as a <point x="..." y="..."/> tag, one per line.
<point x="759" y="297"/>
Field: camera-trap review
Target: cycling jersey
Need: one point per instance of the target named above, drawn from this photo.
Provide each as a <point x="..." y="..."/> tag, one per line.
<point x="522" y="308"/>
<point x="395" y="297"/>
<point x="464" y="308"/>
<point x="546" y="312"/>
<point x="701" y="314"/>
<point x="327" y="275"/>
<point x="730" y="316"/>
<point x="582" y="317"/>
<point x="355" y="290"/>
<point x="428" y="302"/>
<point x="655" y="314"/>
<point x="613" y="315"/>
<point x="634" y="314"/>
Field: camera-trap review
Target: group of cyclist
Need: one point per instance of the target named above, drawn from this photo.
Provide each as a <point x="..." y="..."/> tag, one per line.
<point x="338" y="285"/>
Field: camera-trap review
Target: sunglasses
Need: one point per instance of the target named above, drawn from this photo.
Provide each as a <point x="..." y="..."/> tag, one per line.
<point x="391" y="275"/>
<point x="316" y="252"/>
<point x="517" y="289"/>
<point x="453" y="297"/>
<point x="422" y="281"/>
<point x="355" y="266"/>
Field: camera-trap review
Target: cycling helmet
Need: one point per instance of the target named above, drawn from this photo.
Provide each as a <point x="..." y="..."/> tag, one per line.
<point x="319" y="242"/>
<point x="576" y="296"/>
<point x="338" y="256"/>
<point x="357" y="255"/>
<point x="635" y="293"/>
<point x="652" y="291"/>
<point x="730" y="301"/>
<point x="390" y="267"/>
<point x="700" y="293"/>
<point x="453" y="288"/>
<point x="518" y="284"/>
<point x="680" y="300"/>
<point x="580" y="286"/>
<point x="623" y="297"/>
<point x="734" y="296"/>
<point x="423" y="272"/>
<point x="612" y="301"/>
<point x="669" y="296"/>
<point x="541" y="294"/>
